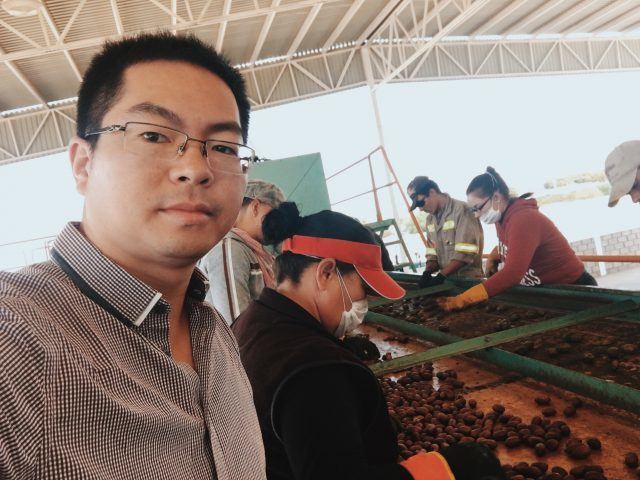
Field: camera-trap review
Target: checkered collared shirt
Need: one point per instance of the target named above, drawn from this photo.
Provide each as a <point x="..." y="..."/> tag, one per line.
<point x="88" y="388"/>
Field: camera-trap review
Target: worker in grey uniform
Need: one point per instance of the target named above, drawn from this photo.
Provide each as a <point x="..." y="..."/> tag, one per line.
<point x="454" y="234"/>
<point x="239" y="267"/>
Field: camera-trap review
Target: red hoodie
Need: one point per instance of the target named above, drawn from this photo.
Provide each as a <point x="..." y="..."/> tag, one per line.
<point x="533" y="250"/>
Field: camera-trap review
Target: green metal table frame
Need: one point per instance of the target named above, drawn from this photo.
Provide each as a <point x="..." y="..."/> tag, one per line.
<point x="609" y="304"/>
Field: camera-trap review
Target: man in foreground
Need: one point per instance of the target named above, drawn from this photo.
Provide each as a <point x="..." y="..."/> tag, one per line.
<point x="111" y="364"/>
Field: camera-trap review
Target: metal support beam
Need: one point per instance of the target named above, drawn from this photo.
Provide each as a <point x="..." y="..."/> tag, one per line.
<point x="463" y="15"/>
<point x="266" y="26"/>
<point x="552" y="25"/>
<point x="595" y="388"/>
<point x="222" y="29"/>
<point x="59" y="38"/>
<point x="522" y="24"/>
<point x="308" y="21"/>
<point x="351" y="12"/>
<point x="596" y="18"/>
<point x="116" y="16"/>
<point x="499" y="17"/>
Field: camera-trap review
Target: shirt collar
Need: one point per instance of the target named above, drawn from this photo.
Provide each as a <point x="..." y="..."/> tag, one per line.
<point x="108" y="284"/>
<point x="446" y="208"/>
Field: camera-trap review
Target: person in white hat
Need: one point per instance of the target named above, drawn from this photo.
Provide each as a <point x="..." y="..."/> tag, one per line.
<point x="622" y="168"/>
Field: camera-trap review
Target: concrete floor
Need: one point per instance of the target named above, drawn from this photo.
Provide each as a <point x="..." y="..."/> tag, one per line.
<point x="625" y="280"/>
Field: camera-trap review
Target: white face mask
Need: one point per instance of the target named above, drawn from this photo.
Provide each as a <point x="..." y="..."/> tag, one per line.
<point x="491" y="216"/>
<point x="351" y="319"/>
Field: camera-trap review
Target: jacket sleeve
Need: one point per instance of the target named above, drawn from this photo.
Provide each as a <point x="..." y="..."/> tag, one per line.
<point x="524" y="232"/>
<point x="21" y="400"/>
<point x="319" y="419"/>
<point x="468" y="239"/>
<point x="228" y="268"/>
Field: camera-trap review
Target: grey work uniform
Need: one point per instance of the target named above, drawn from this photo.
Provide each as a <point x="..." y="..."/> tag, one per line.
<point x="456" y="234"/>
<point x="234" y="276"/>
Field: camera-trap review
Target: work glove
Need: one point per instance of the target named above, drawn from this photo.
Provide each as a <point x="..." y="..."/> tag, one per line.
<point x="472" y="461"/>
<point x="427" y="280"/>
<point x="472" y="296"/>
<point x="465" y="461"/>
<point x="362" y="347"/>
<point x="428" y="466"/>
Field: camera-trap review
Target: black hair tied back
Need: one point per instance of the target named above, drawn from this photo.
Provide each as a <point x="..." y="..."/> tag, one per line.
<point x="281" y="223"/>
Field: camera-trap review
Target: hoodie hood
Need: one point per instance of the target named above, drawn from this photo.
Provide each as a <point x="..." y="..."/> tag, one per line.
<point x="518" y="205"/>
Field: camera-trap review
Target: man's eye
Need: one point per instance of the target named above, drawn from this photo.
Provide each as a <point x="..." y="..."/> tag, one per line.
<point x="225" y="149"/>
<point x="154" y="137"/>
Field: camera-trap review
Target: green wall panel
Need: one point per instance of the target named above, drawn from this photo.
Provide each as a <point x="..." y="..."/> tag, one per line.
<point x="301" y="178"/>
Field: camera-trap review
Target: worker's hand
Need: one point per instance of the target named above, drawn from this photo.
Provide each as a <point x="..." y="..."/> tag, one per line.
<point x="491" y="267"/>
<point x="362" y="347"/>
<point x="469" y="297"/>
<point x="472" y="461"/>
<point x="493" y="260"/>
<point x="432" y="266"/>
<point x="427" y="280"/>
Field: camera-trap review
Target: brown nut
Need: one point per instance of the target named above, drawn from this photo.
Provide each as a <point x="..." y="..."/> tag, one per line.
<point x="540" y="449"/>
<point x="499" y="409"/>
<point x="560" y="471"/>
<point x="543" y="467"/>
<point x="631" y="460"/>
<point x="549" y="412"/>
<point x="578" y="452"/>
<point x="552" y="444"/>
<point x="543" y="400"/>
<point x="512" y="442"/>
<point x="569" y="411"/>
<point x="594" y="444"/>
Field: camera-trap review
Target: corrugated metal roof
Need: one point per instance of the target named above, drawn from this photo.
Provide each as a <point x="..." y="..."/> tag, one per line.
<point x="304" y="48"/>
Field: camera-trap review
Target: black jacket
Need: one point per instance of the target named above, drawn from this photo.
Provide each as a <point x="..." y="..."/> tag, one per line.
<point x="321" y="410"/>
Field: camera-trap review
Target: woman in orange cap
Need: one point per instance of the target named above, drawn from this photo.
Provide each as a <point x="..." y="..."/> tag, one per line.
<point x="321" y="410"/>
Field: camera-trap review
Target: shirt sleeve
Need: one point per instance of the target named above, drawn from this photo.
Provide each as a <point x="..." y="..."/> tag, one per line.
<point x="21" y="400"/>
<point x="468" y="238"/>
<point x="432" y="253"/>
<point x="228" y="268"/>
<point x="524" y="239"/>
<point x="319" y="419"/>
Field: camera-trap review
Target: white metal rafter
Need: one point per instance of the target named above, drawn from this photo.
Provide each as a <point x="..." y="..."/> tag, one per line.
<point x="465" y="11"/>
<point x="348" y="16"/>
<point x="596" y="18"/>
<point x="182" y="25"/>
<point x="60" y="37"/>
<point x="266" y="26"/>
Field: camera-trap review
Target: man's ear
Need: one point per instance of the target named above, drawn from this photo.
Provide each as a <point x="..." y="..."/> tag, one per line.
<point x="255" y="207"/>
<point x="325" y="270"/>
<point x="80" y="156"/>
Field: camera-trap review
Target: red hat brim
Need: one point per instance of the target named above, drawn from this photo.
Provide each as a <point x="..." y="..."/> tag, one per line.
<point x="381" y="283"/>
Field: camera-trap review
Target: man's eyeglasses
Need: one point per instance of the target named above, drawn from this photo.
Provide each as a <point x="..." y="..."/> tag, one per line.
<point x="478" y="208"/>
<point x="164" y="143"/>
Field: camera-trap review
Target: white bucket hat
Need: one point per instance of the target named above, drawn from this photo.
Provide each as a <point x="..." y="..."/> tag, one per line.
<point x="621" y="168"/>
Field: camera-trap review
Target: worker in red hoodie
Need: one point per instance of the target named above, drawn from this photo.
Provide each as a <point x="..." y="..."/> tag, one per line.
<point x="531" y="249"/>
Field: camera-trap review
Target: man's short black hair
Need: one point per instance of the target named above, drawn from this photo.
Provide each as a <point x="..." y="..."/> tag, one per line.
<point x="102" y="82"/>
<point x="423" y="185"/>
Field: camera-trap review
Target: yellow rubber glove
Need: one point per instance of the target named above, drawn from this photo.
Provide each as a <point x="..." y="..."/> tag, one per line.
<point x="428" y="466"/>
<point x="472" y="296"/>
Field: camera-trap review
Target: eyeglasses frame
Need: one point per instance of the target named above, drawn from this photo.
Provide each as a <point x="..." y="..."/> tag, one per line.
<point x="122" y="128"/>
